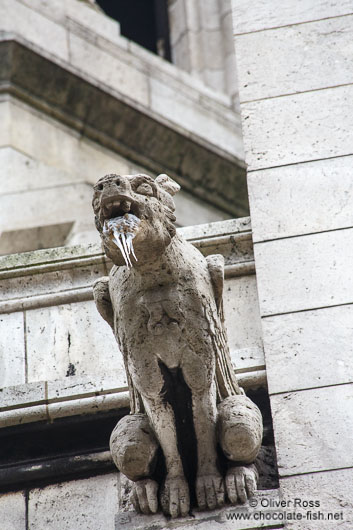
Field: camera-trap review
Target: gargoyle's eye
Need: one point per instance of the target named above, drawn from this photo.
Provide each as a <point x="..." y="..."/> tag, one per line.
<point x="145" y="189"/>
<point x="100" y="187"/>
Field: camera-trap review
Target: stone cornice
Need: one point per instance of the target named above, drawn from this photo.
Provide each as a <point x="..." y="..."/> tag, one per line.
<point x="230" y="238"/>
<point x="102" y="114"/>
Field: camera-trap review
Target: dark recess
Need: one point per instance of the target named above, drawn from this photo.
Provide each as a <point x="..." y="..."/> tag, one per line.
<point x="142" y="21"/>
<point x="62" y="450"/>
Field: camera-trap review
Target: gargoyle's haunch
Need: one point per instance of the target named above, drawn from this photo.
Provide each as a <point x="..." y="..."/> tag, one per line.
<point x="166" y="312"/>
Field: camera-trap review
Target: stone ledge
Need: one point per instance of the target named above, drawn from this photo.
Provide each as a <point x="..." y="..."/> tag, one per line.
<point x="230" y="238"/>
<point x="87" y="398"/>
<point x="208" y="520"/>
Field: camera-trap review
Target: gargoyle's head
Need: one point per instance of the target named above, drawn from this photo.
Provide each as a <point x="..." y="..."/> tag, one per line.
<point x="134" y="215"/>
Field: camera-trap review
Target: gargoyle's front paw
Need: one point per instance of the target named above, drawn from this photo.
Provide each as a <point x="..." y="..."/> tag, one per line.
<point x="175" y="498"/>
<point x="210" y="491"/>
<point x="145" y="496"/>
<point x="241" y="483"/>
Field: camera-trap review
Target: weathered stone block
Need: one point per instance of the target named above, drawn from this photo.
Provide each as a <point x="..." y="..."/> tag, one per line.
<point x="68" y="203"/>
<point x="298" y="128"/>
<point x="12" y="350"/>
<point x="313" y="429"/>
<point x="262" y="14"/>
<point x="17" y="18"/>
<point x="13" y="511"/>
<point x="290" y="59"/>
<point x="294" y="200"/>
<point x="305" y="272"/>
<point x="25" y="394"/>
<point x="333" y="492"/>
<point x="119" y="70"/>
<point x="67" y="340"/>
<point x="64" y="149"/>
<point x="20" y="172"/>
<point x="76" y="505"/>
<point x="243" y="321"/>
<point x="309" y="349"/>
<point x="201" y="118"/>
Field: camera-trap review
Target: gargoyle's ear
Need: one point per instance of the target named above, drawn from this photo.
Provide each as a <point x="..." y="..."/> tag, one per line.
<point x="167" y="184"/>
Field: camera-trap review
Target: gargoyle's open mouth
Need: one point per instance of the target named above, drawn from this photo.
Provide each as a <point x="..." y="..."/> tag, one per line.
<point x="120" y="223"/>
<point x="118" y="208"/>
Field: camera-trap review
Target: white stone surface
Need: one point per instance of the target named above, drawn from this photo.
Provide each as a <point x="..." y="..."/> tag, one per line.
<point x="261" y="14"/>
<point x="79" y="11"/>
<point x="77" y="505"/>
<point x="25" y="394"/>
<point x="65" y="149"/>
<point x="88" y="405"/>
<point x="190" y="211"/>
<point x="243" y="322"/>
<point x="58" y="204"/>
<point x="332" y="490"/>
<point x="13" y="511"/>
<point x="12" y="350"/>
<point x="126" y="68"/>
<point x="309" y="349"/>
<point x="69" y="339"/>
<point x="301" y="199"/>
<point x="17" y="18"/>
<point x="118" y="70"/>
<point x="203" y="118"/>
<point x="313" y="429"/>
<point x="5" y="120"/>
<point x="21" y="416"/>
<point x="89" y="385"/>
<point x="48" y="283"/>
<point x="298" y="128"/>
<point x="20" y="172"/>
<point x="295" y="58"/>
<point x="305" y="272"/>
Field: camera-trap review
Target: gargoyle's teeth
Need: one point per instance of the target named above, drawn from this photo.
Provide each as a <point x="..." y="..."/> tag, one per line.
<point x="125" y="206"/>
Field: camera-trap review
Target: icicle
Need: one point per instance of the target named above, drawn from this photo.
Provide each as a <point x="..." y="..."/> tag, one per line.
<point x="123" y="229"/>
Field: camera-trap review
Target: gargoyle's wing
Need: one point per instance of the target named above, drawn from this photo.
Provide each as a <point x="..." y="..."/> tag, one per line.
<point x="103" y="302"/>
<point x="215" y="264"/>
<point x="102" y="299"/>
<point x="227" y="384"/>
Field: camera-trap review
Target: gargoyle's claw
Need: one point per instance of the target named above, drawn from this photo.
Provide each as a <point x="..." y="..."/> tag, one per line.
<point x="144" y="496"/>
<point x="209" y="491"/>
<point x="175" y="498"/>
<point x="241" y="483"/>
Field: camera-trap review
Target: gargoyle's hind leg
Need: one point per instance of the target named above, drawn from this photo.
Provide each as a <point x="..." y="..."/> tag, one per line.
<point x="240" y="434"/>
<point x="175" y="497"/>
<point x="199" y="376"/>
<point x="134" y="450"/>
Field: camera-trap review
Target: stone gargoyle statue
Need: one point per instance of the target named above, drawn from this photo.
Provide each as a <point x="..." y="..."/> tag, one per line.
<point x="163" y="301"/>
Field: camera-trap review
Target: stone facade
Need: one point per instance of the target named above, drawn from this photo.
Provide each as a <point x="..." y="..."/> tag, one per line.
<point x="98" y="102"/>
<point x="295" y="77"/>
<point x="55" y="371"/>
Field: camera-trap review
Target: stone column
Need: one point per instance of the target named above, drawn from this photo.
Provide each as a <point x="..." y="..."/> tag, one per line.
<point x="202" y="43"/>
<point x="295" y="74"/>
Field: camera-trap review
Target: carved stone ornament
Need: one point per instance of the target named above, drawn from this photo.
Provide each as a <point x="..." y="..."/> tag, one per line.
<point x="192" y="435"/>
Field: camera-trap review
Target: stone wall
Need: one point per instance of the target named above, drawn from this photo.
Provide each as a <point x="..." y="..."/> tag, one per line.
<point x="295" y="84"/>
<point x="52" y="334"/>
<point x="202" y="43"/>
<point x="77" y="101"/>
<point x="54" y="374"/>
